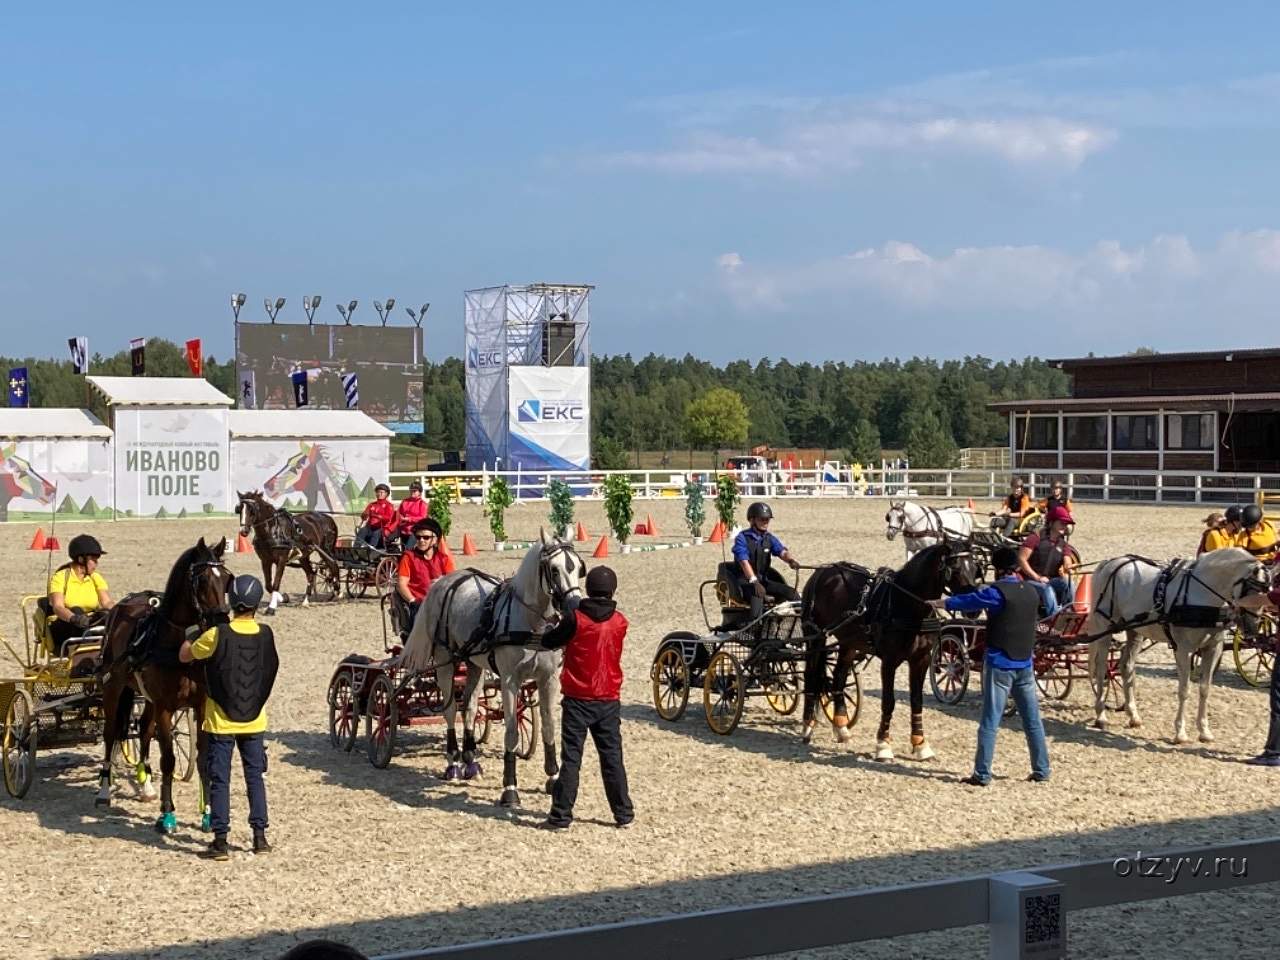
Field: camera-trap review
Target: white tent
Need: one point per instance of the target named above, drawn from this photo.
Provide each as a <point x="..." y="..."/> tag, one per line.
<point x="318" y="459"/>
<point x="54" y="457"/>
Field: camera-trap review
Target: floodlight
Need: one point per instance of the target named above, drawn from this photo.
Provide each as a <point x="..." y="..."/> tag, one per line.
<point x="237" y="301"/>
<point x="377" y="305"/>
<point x="351" y="307"/>
<point x="391" y="302"/>
<point x="279" y="304"/>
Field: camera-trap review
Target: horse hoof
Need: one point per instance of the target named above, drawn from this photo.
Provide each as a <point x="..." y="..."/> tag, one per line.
<point x="1099" y="724"/>
<point x="843" y="735"/>
<point x="1135" y="723"/>
<point x="147" y="791"/>
<point x="510" y="798"/>
<point x="922" y="752"/>
<point x="471" y="771"/>
<point x="167" y="824"/>
<point x="1207" y="738"/>
<point x="102" y="802"/>
<point x="453" y="771"/>
<point x="884" y="751"/>
<point x="806" y="736"/>
<point x="270" y="611"/>
<point x="1181" y="738"/>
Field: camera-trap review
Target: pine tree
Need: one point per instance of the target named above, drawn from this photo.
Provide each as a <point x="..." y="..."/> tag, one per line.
<point x="864" y="442"/>
<point x="929" y="444"/>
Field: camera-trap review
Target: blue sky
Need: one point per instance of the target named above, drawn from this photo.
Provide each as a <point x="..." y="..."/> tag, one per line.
<point x="831" y="181"/>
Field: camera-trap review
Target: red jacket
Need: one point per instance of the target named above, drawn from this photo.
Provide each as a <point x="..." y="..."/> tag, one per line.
<point x="593" y="657"/>
<point x="380" y="515"/>
<point x="411" y="511"/>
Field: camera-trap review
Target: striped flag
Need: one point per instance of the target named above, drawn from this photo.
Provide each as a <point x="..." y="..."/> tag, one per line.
<point x="351" y="387"/>
<point x="79" y="354"/>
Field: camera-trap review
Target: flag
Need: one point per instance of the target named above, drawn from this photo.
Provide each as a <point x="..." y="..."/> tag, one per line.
<point x="19" y="396"/>
<point x="248" y="392"/>
<point x="351" y="387"/>
<point x="195" y="362"/>
<point x="138" y="356"/>
<point x="299" y="378"/>
<point x="79" y="354"/>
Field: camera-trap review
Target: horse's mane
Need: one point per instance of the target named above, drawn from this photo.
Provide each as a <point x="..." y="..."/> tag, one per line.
<point x="176" y="584"/>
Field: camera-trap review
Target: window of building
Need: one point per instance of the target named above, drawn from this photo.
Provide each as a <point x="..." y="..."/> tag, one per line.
<point x="1040" y="434"/>
<point x="1188" y="431"/>
<point x="1085" y="433"/>
<point x="1135" y="432"/>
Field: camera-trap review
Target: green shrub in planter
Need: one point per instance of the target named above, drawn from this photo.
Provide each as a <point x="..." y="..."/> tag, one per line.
<point x="695" y="511"/>
<point x="561" y="498"/>
<point x="438" y="508"/>
<point x="727" y="500"/>
<point x="617" y="505"/>
<point x="495" y="505"/>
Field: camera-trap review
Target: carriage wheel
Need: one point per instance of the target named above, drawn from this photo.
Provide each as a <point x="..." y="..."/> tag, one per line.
<point x="18" y="747"/>
<point x="949" y="668"/>
<point x="380" y="722"/>
<point x="483" y="722"/>
<point x="670" y="683"/>
<point x="1114" y="699"/>
<point x="724" y="693"/>
<point x="384" y="577"/>
<point x="330" y="578"/>
<point x="1053" y="677"/>
<point x="852" y="699"/>
<point x="528" y="723"/>
<point x="184" y="739"/>
<point x="344" y="714"/>
<point x="782" y="687"/>
<point x="356" y="583"/>
<point x="1255" y="656"/>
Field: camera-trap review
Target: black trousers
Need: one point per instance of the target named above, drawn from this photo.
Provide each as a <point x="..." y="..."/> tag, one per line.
<point x="774" y="586"/>
<point x="603" y="719"/>
<point x="1273" y="732"/>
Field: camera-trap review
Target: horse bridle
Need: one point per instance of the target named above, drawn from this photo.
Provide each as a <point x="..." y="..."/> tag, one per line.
<point x="550" y="552"/>
<point x="271" y="527"/>
<point x="928" y="532"/>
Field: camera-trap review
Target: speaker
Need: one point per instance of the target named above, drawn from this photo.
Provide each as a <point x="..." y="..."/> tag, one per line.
<point x="557" y="343"/>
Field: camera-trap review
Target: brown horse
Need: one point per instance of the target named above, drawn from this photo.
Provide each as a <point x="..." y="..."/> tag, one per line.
<point x="881" y="614"/>
<point x="278" y="533"/>
<point x="194" y="596"/>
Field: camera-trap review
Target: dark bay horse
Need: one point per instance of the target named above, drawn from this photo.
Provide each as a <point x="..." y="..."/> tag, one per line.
<point x="882" y="614"/>
<point x="194" y="596"/>
<point x="277" y="533"/>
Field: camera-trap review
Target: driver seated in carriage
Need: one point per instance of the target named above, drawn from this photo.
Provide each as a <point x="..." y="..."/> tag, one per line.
<point x="753" y="551"/>
<point x="420" y="567"/>
<point x="1257" y="535"/>
<point x="378" y="519"/>
<point x="1045" y="561"/>
<point x="1017" y="505"/>
<point x="1057" y="498"/>
<point x="78" y="597"/>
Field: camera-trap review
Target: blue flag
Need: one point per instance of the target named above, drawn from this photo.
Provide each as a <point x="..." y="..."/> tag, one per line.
<point x="19" y="392"/>
<point x="299" y="378"/>
<point x="351" y="388"/>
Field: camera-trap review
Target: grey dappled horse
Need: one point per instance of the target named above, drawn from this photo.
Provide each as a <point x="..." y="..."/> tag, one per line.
<point x="526" y="605"/>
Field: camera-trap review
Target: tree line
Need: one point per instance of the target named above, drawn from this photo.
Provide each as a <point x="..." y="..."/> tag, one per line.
<point x="927" y="407"/>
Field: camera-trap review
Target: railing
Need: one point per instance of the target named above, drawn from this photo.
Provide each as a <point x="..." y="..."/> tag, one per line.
<point x="1150" y="486"/>
<point x="1026" y="911"/>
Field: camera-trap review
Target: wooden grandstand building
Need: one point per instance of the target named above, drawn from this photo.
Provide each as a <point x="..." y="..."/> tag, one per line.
<point x="1205" y="415"/>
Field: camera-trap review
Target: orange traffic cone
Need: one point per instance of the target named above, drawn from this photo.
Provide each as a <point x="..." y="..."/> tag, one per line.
<point x="37" y="542"/>
<point x="52" y="544"/>
<point x="717" y="533"/>
<point x="242" y="544"/>
<point x="971" y="503"/>
<point x="468" y="546"/>
<point x="653" y="527"/>
<point x="581" y="535"/>
<point x="602" y="549"/>
<point x="1084" y="593"/>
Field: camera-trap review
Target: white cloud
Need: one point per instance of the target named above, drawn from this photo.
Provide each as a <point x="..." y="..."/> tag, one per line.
<point x="729" y="262"/>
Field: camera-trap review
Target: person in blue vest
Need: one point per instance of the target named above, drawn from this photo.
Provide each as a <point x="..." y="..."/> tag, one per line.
<point x="1012" y="610"/>
<point x="753" y="550"/>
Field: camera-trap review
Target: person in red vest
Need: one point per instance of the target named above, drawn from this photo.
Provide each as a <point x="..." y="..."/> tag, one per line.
<point x="591" y="633"/>
<point x="412" y="509"/>
<point x="425" y="563"/>
<point x="378" y="520"/>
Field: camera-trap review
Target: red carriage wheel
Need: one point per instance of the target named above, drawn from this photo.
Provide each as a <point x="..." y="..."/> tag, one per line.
<point x="380" y="722"/>
<point x="384" y="577"/>
<point x="344" y="713"/>
<point x="1053" y="676"/>
<point x="949" y="667"/>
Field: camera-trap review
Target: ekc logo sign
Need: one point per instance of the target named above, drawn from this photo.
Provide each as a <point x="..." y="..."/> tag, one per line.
<point x="550" y="411"/>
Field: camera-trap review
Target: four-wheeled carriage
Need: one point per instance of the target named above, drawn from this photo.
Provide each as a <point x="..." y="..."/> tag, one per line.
<point x="362" y="568"/>
<point x="1253" y="647"/>
<point x="738" y="658"/>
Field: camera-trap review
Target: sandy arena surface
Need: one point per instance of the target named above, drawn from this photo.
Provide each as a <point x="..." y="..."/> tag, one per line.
<point x="394" y="859"/>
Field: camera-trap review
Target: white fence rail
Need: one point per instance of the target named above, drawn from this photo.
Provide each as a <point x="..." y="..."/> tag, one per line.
<point x="1167" y="486"/>
<point x="1020" y="907"/>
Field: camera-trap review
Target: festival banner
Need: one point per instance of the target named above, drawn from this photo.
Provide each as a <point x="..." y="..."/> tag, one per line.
<point x="137" y="356"/>
<point x="351" y="387"/>
<point x="171" y="462"/>
<point x="79" y="354"/>
<point x="19" y="392"/>
<point x="195" y="361"/>
<point x="299" y="379"/>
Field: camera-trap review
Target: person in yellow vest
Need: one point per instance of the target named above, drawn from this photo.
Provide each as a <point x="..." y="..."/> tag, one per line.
<point x="77" y="593"/>
<point x="1215" y="535"/>
<point x="1257" y="535"/>
<point x="240" y="670"/>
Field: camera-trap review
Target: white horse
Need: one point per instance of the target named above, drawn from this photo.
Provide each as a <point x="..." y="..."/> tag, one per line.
<point x="450" y="628"/>
<point x="1207" y="590"/>
<point x="922" y="526"/>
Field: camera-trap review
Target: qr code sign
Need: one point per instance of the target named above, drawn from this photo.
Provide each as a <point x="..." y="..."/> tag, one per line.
<point x="1042" y="916"/>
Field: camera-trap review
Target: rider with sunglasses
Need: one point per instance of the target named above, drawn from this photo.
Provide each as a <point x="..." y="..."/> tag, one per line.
<point x="421" y="565"/>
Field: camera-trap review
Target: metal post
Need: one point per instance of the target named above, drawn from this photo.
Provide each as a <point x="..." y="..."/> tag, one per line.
<point x="1027" y="918"/>
<point x="949" y="485"/>
<point x="1106" y="487"/>
<point x="991" y="492"/>
<point x="1199" y="489"/>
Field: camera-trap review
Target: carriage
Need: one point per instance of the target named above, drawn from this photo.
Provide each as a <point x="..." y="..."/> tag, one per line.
<point x="739" y="658"/>
<point x="56" y="702"/>
<point x="362" y="568"/>
<point x="1254" y="650"/>
<point x="387" y="697"/>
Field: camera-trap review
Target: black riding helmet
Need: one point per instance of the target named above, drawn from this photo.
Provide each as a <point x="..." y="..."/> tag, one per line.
<point x="1232" y="514"/>
<point x="1005" y="558"/>
<point x="244" y="593"/>
<point x="602" y="582"/>
<point x="384" y="488"/>
<point x="1251" y="515"/>
<point x="761" y="510"/>
<point x="84" y="545"/>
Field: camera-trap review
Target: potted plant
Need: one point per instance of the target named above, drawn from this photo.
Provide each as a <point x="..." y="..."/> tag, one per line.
<point x="727" y="500"/>
<point x="438" y="508"/>
<point x="617" y="507"/>
<point x="495" y="505"/>
<point x="695" y="511"/>
<point x="561" y="497"/>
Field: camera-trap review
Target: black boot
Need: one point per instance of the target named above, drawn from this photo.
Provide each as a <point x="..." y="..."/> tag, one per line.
<point x="217" y="849"/>
<point x="260" y="844"/>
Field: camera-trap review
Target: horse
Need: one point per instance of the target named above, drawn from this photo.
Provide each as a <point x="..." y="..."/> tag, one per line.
<point x="470" y="617"/>
<point x="922" y="525"/>
<point x="877" y="613"/>
<point x="194" y="596"/>
<point x="1187" y="604"/>
<point x="277" y="533"/>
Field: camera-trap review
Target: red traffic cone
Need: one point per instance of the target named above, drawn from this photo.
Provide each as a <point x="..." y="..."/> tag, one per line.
<point x="641" y="530"/>
<point x="37" y="542"/>
<point x="717" y="533"/>
<point x="242" y="544"/>
<point x="468" y="546"/>
<point x="602" y="549"/>
<point x="653" y="527"/>
<point x="52" y="544"/>
<point x="581" y="535"/>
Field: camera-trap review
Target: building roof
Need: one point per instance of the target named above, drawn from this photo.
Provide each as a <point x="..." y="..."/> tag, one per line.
<point x="1248" y="353"/>
<point x="305" y="424"/>
<point x="19" y="422"/>
<point x="159" y="392"/>
<point x="1180" y="401"/>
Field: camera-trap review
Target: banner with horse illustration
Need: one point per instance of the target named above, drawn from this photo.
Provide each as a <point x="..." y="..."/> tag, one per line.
<point x="69" y="475"/>
<point x="171" y="461"/>
<point x="333" y="476"/>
